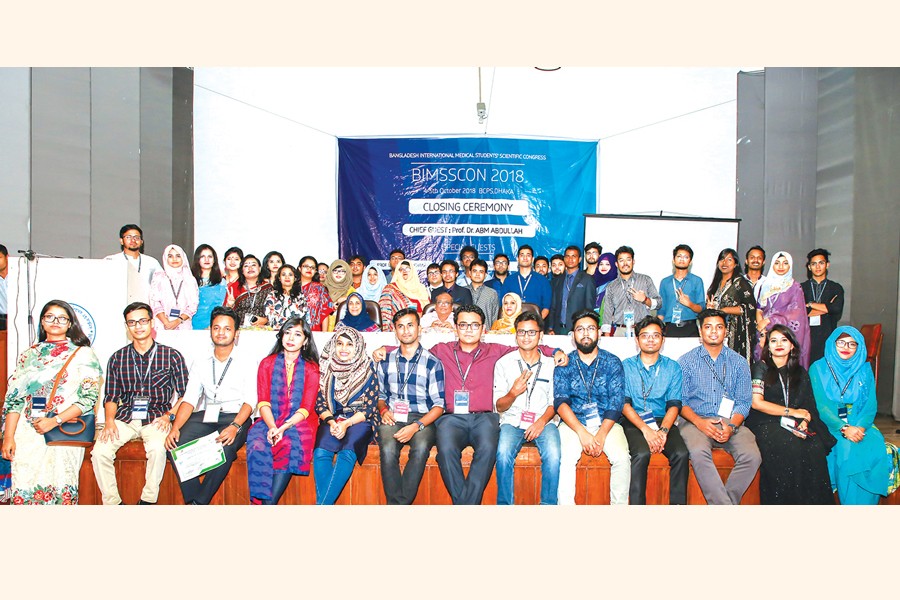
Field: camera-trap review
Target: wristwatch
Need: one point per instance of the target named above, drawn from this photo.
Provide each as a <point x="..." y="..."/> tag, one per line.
<point x="58" y="420"/>
<point x="420" y="424"/>
<point x="171" y="417"/>
<point x="664" y="430"/>
<point x="734" y="427"/>
<point x="233" y="424"/>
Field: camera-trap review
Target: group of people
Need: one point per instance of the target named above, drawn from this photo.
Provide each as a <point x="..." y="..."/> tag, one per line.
<point x="809" y="429"/>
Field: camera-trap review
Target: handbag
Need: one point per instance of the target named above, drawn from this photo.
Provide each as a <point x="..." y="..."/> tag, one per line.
<point x="77" y="432"/>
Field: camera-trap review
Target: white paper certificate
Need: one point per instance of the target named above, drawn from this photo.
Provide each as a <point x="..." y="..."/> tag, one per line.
<point x="198" y="456"/>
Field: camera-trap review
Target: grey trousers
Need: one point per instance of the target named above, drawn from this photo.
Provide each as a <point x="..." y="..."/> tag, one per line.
<point x="741" y="446"/>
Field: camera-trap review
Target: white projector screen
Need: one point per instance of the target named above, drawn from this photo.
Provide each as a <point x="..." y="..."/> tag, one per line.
<point x="654" y="237"/>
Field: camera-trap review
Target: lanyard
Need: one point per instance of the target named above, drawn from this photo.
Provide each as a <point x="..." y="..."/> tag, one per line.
<point x="459" y="366"/>
<point x="537" y="374"/>
<point x="527" y="281"/>
<point x="218" y="383"/>
<point x="590" y="389"/>
<point x="137" y="367"/>
<point x="722" y="290"/>
<point x="629" y="299"/>
<point x="721" y="380"/>
<point x="817" y="297"/>
<point x="785" y="389"/>
<point x="174" y="293"/>
<point x="678" y="288"/>
<point x="411" y="366"/>
<point x="140" y="258"/>
<point x="645" y="392"/>
<point x="838" y="383"/>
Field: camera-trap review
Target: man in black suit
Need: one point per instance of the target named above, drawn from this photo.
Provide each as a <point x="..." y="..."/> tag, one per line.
<point x="572" y="291"/>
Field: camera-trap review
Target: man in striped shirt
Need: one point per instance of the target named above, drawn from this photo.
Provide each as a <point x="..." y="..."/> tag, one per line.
<point x="629" y="297"/>
<point x="410" y="399"/>
<point x="716" y="390"/>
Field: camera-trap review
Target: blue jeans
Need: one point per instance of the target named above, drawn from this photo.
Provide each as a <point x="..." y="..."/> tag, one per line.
<point x="331" y="472"/>
<point x="511" y="440"/>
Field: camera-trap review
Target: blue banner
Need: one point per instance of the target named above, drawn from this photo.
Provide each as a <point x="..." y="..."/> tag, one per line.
<point x="432" y="196"/>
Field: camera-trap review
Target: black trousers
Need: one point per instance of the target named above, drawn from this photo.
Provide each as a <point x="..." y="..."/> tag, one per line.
<point x="200" y="490"/>
<point x="675" y="450"/>
<point x="687" y="329"/>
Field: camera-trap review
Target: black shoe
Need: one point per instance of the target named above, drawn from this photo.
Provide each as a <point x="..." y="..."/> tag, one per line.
<point x="150" y="503"/>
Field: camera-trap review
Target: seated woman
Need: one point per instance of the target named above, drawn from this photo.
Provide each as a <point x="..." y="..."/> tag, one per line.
<point x="55" y="380"/>
<point x="250" y="306"/>
<point x="441" y="318"/>
<point x="510" y="308"/>
<point x="373" y="283"/>
<point x="348" y="393"/>
<point x="354" y="314"/>
<point x="173" y="291"/>
<point x="318" y="302"/>
<point x="404" y="290"/>
<point x="234" y="256"/>
<point x="781" y="302"/>
<point x="280" y="442"/>
<point x="792" y="440"/>
<point x="272" y="261"/>
<point x="862" y="466"/>
<point x="210" y="283"/>
<point x="339" y="283"/>
<point x="286" y="300"/>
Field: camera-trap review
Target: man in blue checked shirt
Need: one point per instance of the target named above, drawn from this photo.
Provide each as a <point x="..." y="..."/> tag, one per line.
<point x="716" y="401"/>
<point x="410" y="399"/>
<point x="652" y="401"/>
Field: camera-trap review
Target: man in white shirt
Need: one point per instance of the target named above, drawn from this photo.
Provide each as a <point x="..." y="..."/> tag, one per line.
<point x="141" y="267"/>
<point x="523" y="395"/>
<point x="220" y="397"/>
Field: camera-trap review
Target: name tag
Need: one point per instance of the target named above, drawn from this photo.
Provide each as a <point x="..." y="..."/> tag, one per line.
<point x="527" y="419"/>
<point x="248" y="320"/>
<point x="174" y="313"/>
<point x="842" y="413"/>
<point x="211" y="415"/>
<point x="140" y="408"/>
<point x="401" y="411"/>
<point x="38" y="407"/>
<point x="647" y="417"/>
<point x="815" y="321"/>
<point x="340" y="419"/>
<point x="628" y="319"/>
<point x="791" y="425"/>
<point x="676" y="314"/>
<point x="726" y="407"/>
<point x="591" y="415"/>
<point x="461" y="402"/>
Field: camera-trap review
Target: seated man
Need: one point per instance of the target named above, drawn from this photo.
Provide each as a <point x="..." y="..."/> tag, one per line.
<point x="523" y="395"/>
<point x="460" y="295"/>
<point x="652" y="402"/>
<point x="410" y="399"/>
<point x="716" y="401"/>
<point x="220" y="396"/>
<point x="441" y="318"/>
<point x="142" y="380"/>
<point x="589" y="398"/>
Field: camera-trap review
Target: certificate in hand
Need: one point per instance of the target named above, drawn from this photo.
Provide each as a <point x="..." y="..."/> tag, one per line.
<point x="198" y="456"/>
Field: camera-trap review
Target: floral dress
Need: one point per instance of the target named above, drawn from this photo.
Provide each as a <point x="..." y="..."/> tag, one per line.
<point x="43" y="474"/>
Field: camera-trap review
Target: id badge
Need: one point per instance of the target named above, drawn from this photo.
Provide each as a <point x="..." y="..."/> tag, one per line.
<point x="726" y="407"/>
<point x="174" y="313"/>
<point x="788" y="423"/>
<point x="647" y="417"/>
<point x="527" y="419"/>
<point x="842" y="413"/>
<point x="591" y="415"/>
<point x="628" y="319"/>
<point x="815" y="321"/>
<point x="340" y="419"/>
<point x="211" y="415"/>
<point x="248" y="320"/>
<point x="461" y="402"/>
<point x="140" y="408"/>
<point x="401" y="411"/>
<point x="38" y="407"/>
<point x="676" y="314"/>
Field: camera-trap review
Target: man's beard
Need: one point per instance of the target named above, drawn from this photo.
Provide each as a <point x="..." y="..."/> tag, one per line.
<point x="586" y="348"/>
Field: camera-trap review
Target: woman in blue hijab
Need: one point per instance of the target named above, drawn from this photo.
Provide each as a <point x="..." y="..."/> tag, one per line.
<point x="862" y="466"/>
<point x="355" y="315"/>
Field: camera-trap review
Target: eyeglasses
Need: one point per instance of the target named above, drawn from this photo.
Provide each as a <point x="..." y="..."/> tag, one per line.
<point x="308" y="267"/>
<point x="526" y="332"/>
<point x="840" y="343"/>
<point x="650" y="336"/>
<point x="588" y="329"/>
<point x="132" y="323"/>
<point x="136" y="238"/>
<point x="469" y="326"/>
<point x="49" y="319"/>
<point x="338" y="270"/>
<point x="444" y="302"/>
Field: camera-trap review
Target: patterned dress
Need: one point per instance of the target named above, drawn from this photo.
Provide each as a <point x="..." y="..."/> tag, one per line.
<point x="281" y="307"/>
<point x="740" y="329"/>
<point x="319" y="304"/>
<point x="42" y="474"/>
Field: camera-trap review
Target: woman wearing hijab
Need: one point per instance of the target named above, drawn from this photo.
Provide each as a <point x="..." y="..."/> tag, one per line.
<point x="781" y="302"/>
<point x="354" y="314"/>
<point x="348" y="394"/>
<point x="318" y="302"/>
<point x="607" y="271"/>
<point x="731" y="293"/>
<point x="373" y="282"/>
<point x="280" y="443"/>
<point x="339" y="283"/>
<point x="792" y="438"/>
<point x="862" y="466"/>
<point x="173" y="291"/>
<point x="511" y="307"/>
<point x="404" y="290"/>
